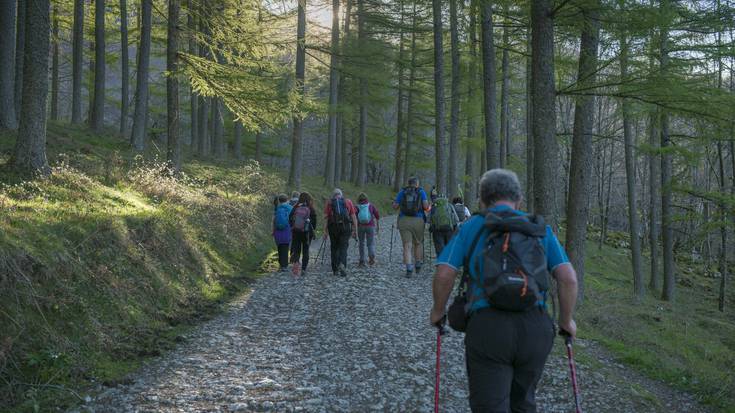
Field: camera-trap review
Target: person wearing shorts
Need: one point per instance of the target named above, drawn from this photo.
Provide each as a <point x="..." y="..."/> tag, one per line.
<point x="412" y="203"/>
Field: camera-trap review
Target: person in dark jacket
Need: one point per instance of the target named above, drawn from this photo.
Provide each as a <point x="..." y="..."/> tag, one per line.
<point x="303" y="221"/>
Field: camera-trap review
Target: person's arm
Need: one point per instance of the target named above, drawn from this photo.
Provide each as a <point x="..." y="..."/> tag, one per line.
<point x="353" y="214"/>
<point x="397" y="202"/>
<point x="376" y="215"/>
<point x="442" y="288"/>
<point x="567" y="278"/>
<point x="424" y="200"/>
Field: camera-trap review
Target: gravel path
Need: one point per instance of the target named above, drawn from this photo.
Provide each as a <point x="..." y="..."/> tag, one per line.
<point x="321" y="344"/>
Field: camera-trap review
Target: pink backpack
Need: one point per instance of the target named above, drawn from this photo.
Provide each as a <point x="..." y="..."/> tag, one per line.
<point x="301" y="221"/>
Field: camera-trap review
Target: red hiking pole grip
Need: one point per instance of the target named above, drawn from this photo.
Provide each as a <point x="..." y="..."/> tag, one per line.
<point x="572" y="371"/>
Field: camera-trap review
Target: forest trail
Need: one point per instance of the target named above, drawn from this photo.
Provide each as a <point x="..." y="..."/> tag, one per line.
<point x="361" y="343"/>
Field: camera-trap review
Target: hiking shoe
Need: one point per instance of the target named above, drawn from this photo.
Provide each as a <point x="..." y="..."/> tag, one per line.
<point x="409" y="273"/>
<point x="283" y="269"/>
<point x="418" y="268"/>
<point x="361" y="264"/>
<point x="372" y="261"/>
<point x="296" y="269"/>
<point x="336" y="273"/>
<point x="342" y="270"/>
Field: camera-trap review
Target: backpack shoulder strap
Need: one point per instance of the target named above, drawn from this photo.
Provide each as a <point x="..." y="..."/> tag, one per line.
<point x="466" y="263"/>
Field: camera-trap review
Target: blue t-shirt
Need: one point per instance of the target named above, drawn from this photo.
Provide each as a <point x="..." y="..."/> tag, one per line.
<point x="454" y="253"/>
<point x="424" y="198"/>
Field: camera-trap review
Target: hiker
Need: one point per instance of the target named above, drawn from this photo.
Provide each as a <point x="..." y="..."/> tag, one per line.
<point x="443" y="222"/>
<point x="303" y="221"/>
<point x="340" y="223"/>
<point x="281" y="230"/>
<point x="368" y="226"/>
<point x="463" y="213"/>
<point x="412" y="202"/>
<point x="294" y="198"/>
<point x="505" y="350"/>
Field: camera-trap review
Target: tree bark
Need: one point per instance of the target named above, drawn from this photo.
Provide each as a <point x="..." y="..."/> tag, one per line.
<point x="8" y="119"/>
<point x="361" y="178"/>
<point x="454" y="102"/>
<point x="400" y="127"/>
<point x="294" y="177"/>
<point x="410" y="99"/>
<point x="77" y="60"/>
<point x="633" y="224"/>
<point x="342" y="144"/>
<point x="55" y="64"/>
<point x="219" y="146"/>
<point x="124" y="70"/>
<point x="30" y="147"/>
<point x="667" y="229"/>
<point x="193" y="97"/>
<point x="97" y="120"/>
<point x="20" y="43"/>
<point x="237" y="132"/>
<point x="546" y="162"/>
<point x="470" y="189"/>
<point x="259" y="147"/>
<point x="440" y="145"/>
<point x="580" y="179"/>
<point x="138" y="137"/>
<point x="330" y="171"/>
<point x="488" y="75"/>
<point x="505" y="101"/>
<point x="529" y="126"/>
<point x="723" y="231"/>
<point x="173" y="152"/>
<point x="203" y="124"/>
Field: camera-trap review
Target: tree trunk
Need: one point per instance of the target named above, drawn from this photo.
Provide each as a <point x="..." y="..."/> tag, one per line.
<point x="330" y="172"/>
<point x="454" y="103"/>
<point x="97" y="120"/>
<point x="470" y="188"/>
<point x="400" y="127"/>
<point x="173" y="152"/>
<point x="125" y="70"/>
<point x="546" y="162"/>
<point x="580" y="179"/>
<point x="77" y="59"/>
<point x="20" y="43"/>
<point x="55" y="65"/>
<point x="505" y="101"/>
<point x="237" y="132"/>
<point x="440" y="145"/>
<point x="667" y="229"/>
<point x="193" y="97"/>
<point x="294" y="177"/>
<point x="8" y="119"/>
<point x="30" y="146"/>
<point x="138" y="138"/>
<point x="219" y="146"/>
<point x="259" y="147"/>
<point x="654" y="176"/>
<point x="723" y="231"/>
<point x="410" y="99"/>
<point x="341" y="171"/>
<point x="203" y="124"/>
<point x="361" y="177"/>
<point x="529" y="127"/>
<point x="488" y="76"/>
<point x="633" y="224"/>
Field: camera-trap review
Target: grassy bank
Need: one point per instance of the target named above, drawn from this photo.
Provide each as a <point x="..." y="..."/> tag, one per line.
<point x="688" y="344"/>
<point x="111" y="259"/>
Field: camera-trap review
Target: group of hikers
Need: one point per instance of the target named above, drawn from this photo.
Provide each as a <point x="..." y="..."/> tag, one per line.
<point x="507" y="258"/>
<point x="295" y="222"/>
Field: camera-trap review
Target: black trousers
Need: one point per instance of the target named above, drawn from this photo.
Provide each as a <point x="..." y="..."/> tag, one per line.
<point x="283" y="255"/>
<point x="300" y="242"/>
<point x="339" y="240"/>
<point x="506" y="353"/>
<point x="441" y="239"/>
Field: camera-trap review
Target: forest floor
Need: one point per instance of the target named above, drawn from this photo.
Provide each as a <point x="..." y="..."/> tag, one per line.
<point x="360" y="343"/>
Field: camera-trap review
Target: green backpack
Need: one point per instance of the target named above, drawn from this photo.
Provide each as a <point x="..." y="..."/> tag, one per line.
<point x="442" y="218"/>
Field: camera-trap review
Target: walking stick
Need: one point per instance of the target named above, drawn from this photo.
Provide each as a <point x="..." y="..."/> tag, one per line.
<point x="572" y="369"/>
<point x="440" y="331"/>
<point x="390" y="255"/>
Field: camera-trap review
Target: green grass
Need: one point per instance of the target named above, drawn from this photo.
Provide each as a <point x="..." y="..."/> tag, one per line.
<point x="687" y="343"/>
<point x="110" y="260"/>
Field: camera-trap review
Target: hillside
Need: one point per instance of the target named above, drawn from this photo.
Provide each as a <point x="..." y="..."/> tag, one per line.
<point x="110" y="259"/>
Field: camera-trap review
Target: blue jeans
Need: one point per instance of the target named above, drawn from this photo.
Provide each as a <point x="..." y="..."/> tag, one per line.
<point x="366" y="234"/>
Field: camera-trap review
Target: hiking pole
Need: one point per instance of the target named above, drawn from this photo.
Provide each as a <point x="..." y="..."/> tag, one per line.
<point x="572" y="369"/>
<point x="440" y="331"/>
<point x="390" y="255"/>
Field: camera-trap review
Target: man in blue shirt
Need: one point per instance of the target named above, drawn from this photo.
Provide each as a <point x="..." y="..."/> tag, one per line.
<point x="412" y="203"/>
<point x="505" y="350"/>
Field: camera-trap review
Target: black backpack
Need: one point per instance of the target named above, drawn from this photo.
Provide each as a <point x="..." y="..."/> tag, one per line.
<point x="515" y="272"/>
<point x="340" y="215"/>
<point x="411" y="201"/>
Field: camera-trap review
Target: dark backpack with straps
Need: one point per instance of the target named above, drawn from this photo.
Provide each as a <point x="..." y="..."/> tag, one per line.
<point x="411" y="203"/>
<point x="515" y="272"/>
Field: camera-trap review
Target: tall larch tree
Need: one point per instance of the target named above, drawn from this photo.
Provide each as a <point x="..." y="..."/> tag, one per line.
<point x="580" y="176"/>
<point x="330" y="172"/>
<point x="454" y="147"/>
<point x="20" y="43"/>
<point x="138" y="136"/>
<point x="294" y="176"/>
<point x="55" y="51"/>
<point x="488" y="77"/>
<point x="173" y="150"/>
<point x="400" y="110"/>
<point x="667" y="228"/>
<point x="98" y="109"/>
<point x="505" y="97"/>
<point x="8" y="119"/>
<point x="29" y="156"/>
<point x="470" y="188"/>
<point x="124" y="69"/>
<point x="193" y="97"/>
<point x="361" y="175"/>
<point x="77" y="61"/>
<point x="439" y="152"/>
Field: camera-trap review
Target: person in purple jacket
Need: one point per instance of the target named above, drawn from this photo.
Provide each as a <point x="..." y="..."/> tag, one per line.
<point x="281" y="229"/>
<point x="368" y="226"/>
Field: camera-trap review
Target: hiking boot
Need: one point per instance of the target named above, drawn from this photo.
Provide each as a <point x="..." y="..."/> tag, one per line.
<point x="372" y="261"/>
<point x="336" y="273"/>
<point x="361" y="264"/>
<point x="283" y="269"/>
<point x="342" y="270"/>
<point x="409" y="273"/>
<point x="418" y="268"/>
<point x="296" y="269"/>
